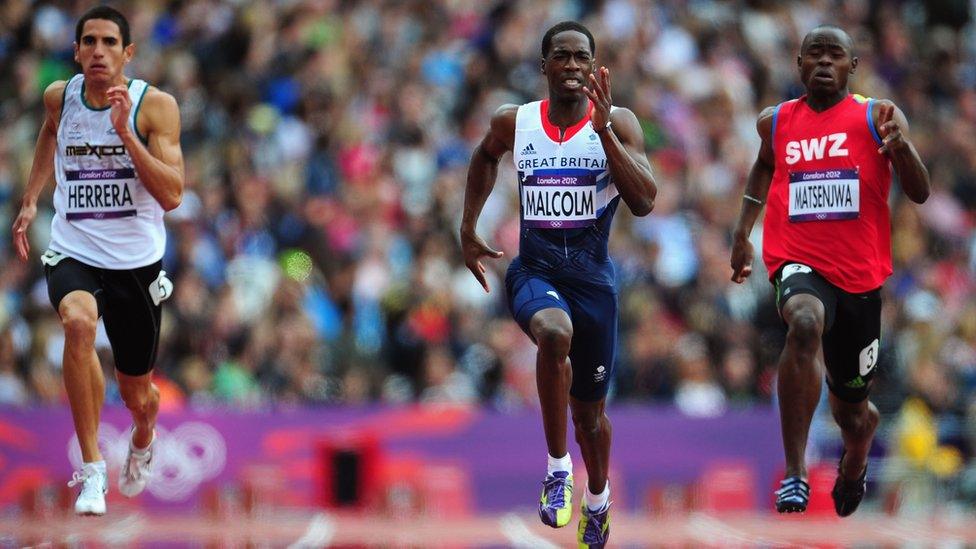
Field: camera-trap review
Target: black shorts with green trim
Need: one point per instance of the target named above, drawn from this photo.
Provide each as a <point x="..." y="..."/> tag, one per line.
<point x="852" y="328"/>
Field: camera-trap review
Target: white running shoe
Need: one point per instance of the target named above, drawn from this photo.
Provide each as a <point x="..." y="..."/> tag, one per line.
<point x="94" y="486"/>
<point x="136" y="471"/>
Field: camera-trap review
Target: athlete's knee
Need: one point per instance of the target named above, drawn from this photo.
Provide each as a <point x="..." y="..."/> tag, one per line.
<point x="554" y="337"/>
<point x="139" y="398"/>
<point x="79" y="323"/>
<point x="805" y="328"/>
<point x="588" y="422"/>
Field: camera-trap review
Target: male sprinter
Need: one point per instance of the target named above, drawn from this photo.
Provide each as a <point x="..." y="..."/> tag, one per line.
<point x="113" y="146"/>
<point x="824" y="169"/>
<point x="576" y="155"/>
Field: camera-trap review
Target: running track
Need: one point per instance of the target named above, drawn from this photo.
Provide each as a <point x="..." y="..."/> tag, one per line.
<point x="522" y="529"/>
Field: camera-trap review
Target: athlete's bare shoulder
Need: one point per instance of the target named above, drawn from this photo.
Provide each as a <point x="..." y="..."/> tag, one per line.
<point x="54" y="98"/>
<point x="504" y="118"/>
<point x="764" y="124"/>
<point x="157" y="101"/>
<point x="158" y="112"/>
<point x="501" y="134"/>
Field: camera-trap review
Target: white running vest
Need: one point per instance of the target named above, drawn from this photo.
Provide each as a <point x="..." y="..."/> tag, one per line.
<point x="561" y="185"/>
<point x="104" y="216"/>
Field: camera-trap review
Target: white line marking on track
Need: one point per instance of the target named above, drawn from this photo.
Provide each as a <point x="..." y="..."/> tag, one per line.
<point x="319" y="533"/>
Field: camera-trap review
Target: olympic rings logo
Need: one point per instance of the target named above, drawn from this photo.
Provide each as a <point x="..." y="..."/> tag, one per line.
<point x="183" y="459"/>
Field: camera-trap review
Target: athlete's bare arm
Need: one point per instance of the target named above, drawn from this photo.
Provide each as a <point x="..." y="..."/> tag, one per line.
<point x="624" y="147"/>
<point x="892" y="126"/>
<point x="160" y="165"/>
<point x="754" y="197"/>
<point x="42" y="170"/>
<point x="482" y="171"/>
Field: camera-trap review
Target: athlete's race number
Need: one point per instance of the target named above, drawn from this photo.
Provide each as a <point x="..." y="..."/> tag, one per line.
<point x="869" y="358"/>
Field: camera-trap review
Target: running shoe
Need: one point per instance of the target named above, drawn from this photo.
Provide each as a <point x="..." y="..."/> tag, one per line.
<point x="137" y="469"/>
<point x="594" y="527"/>
<point x="793" y="495"/>
<point x="94" y="486"/>
<point x="556" y="503"/>
<point x="847" y="494"/>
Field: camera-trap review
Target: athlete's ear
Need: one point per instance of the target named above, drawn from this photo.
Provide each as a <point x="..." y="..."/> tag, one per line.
<point x="542" y="66"/>
<point x="76" y="53"/>
<point x="853" y="64"/>
<point x="130" y="50"/>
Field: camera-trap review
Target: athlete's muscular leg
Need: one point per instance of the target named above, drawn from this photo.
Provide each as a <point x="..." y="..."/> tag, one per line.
<point x="857" y="425"/>
<point x="553" y="333"/>
<point x="141" y="397"/>
<point x="801" y="372"/>
<point x="593" y="436"/>
<point x="82" y="372"/>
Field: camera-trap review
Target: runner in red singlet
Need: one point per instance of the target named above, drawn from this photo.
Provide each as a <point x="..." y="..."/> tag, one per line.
<point x="824" y="169"/>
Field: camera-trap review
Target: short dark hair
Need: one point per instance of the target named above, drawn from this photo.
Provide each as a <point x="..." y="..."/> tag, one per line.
<point x="566" y="26"/>
<point x="109" y="13"/>
<point x="846" y="39"/>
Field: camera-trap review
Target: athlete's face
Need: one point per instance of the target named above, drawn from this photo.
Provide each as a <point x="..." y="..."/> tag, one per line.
<point x="825" y="61"/>
<point x="568" y="64"/>
<point x="100" y="53"/>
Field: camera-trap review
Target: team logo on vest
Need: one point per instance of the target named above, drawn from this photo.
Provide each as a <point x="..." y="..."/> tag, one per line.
<point x="94" y="150"/>
<point x="815" y="148"/>
<point x="74" y="130"/>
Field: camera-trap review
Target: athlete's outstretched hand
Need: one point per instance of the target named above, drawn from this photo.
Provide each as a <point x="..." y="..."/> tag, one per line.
<point x="742" y="254"/>
<point x="21" y="243"/>
<point x="118" y="98"/>
<point x="473" y="247"/>
<point x="888" y="128"/>
<point x="599" y="92"/>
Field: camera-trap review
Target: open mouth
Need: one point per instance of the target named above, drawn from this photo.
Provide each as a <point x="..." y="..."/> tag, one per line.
<point x="573" y="83"/>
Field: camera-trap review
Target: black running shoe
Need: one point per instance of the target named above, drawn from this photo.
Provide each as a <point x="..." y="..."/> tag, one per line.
<point x="793" y="495"/>
<point x="848" y="494"/>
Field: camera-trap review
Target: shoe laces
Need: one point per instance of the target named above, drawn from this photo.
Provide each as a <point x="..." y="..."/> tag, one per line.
<point x="793" y="489"/>
<point x="79" y="477"/>
<point x="555" y="490"/>
<point x="594" y="524"/>
<point x="132" y="465"/>
<point x="83" y="477"/>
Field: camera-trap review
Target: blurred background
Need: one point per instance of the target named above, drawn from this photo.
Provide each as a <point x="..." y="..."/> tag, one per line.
<point x="315" y="257"/>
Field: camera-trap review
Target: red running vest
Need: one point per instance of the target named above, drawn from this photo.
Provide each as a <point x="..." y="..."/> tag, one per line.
<point x="827" y="206"/>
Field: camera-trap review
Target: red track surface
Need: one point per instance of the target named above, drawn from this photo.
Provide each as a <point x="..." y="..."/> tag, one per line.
<point x="310" y="529"/>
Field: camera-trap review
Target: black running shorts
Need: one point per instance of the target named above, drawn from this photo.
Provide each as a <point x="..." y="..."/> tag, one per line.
<point x="124" y="303"/>
<point x="852" y="328"/>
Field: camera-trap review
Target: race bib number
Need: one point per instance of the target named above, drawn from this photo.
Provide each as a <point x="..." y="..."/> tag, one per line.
<point x="823" y="195"/>
<point x="558" y="201"/>
<point x="868" y="358"/>
<point x="99" y="194"/>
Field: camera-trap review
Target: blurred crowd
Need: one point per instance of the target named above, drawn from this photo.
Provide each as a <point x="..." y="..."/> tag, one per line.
<point x="315" y="254"/>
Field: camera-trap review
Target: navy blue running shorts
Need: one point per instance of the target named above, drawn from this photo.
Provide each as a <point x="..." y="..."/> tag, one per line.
<point x="593" y="311"/>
